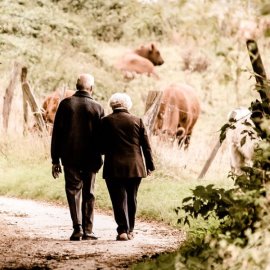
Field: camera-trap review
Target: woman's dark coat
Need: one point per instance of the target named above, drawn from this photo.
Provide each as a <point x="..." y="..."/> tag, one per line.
<point x="124" y="142"/>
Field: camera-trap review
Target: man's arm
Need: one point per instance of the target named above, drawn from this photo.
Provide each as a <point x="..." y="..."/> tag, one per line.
<point x="56" y="142"/>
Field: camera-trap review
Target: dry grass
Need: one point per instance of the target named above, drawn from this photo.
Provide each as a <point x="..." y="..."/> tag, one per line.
<point x="189" y="163"/>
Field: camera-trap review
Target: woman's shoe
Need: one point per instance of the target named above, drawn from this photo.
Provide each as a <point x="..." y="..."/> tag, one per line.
<point x="122" y="237"/>
<point x="130" y="235"/>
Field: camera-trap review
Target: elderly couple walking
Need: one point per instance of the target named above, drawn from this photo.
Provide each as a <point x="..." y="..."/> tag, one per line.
<point x="81" y="134"/>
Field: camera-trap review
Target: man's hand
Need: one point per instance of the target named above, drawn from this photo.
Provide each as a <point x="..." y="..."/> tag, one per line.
<point x="56" y="169"/>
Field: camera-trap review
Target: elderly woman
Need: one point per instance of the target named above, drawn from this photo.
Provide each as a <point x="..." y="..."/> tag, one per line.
<point x="124" y="144"/>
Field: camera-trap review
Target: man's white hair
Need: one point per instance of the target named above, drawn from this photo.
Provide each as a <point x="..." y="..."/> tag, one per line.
<point x="86" y="80"/>
<point x="120" y="101"/>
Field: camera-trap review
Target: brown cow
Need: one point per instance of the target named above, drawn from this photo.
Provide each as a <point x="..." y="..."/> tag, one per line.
<point x="141" y="60"/>
<point x="178" y="113"/>
<point x="50" y="105"/>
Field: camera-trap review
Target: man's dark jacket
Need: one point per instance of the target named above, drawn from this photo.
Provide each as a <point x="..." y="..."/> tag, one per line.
<point x="75" y="132"/>
<point x="124" y="143"/>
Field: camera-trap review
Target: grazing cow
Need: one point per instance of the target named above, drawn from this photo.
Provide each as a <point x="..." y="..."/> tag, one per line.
<point x="141" y="60"/>
<point x="241" y="155"/>
<point x="50" y="105"/>
<point x="178" y="113"/>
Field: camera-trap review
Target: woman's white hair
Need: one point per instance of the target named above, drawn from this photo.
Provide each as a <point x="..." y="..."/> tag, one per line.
<point x="120" y="101"/>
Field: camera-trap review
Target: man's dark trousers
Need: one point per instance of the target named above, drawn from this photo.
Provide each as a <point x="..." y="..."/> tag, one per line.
<point x="80" y="195"/>
<point x="123" y="193"/>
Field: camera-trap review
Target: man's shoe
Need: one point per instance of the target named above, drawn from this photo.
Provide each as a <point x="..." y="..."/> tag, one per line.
<point x="89" y="236"/>
<point x="77" y="233"/>
<point x="122" y="237"/>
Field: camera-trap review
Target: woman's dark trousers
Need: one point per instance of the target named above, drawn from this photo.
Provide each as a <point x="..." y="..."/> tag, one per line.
<point x="123" y="193"/>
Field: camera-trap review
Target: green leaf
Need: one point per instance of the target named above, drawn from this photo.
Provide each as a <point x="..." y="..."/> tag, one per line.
<point x="186" y="199"/>
<point x="247" y="123"/>
<point x="197" y="205"/>
<point x="222" y="137"/>
<point x="243" y="140"/>
<point x="199" y="191"/>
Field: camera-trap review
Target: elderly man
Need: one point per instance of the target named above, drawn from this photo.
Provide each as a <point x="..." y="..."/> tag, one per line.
<point x="124" y="143"/>
<point x="74" y="142"/>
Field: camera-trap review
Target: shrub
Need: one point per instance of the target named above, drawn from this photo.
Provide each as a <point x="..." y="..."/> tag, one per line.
<point x="241" y="211"/>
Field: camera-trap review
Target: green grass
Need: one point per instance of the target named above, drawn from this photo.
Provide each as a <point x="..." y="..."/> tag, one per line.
<point x="31" y="181"/>
<point x="26" y="173"/>
<point x="157" y="197"/>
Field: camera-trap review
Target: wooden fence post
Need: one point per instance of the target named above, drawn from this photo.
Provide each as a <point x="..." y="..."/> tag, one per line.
<point x="30" y="99"/>
<point x="210" y="159"/>
<point x="151" y="97"/>
<point x="25" y="114"/>
<point x="9" y="95"/>
<point x="151" y="109"/>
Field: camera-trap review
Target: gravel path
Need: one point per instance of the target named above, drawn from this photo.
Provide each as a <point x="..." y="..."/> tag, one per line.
<point x="35" y="235"/>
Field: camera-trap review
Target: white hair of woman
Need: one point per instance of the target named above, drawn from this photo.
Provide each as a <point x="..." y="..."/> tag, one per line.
<point x="120" y="101"/>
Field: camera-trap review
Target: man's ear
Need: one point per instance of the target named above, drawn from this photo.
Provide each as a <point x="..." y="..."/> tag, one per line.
<point x="90" y="89"/>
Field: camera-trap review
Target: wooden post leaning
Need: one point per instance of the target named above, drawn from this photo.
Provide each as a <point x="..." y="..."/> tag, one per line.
<point x="151" y="109"/>
<point x="210" y="159"/>
<point x="30" y="99"/>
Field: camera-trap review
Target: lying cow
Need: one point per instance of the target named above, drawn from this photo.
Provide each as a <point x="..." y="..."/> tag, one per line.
<point x="50" y="105"/>
<point x="241" y="155"/>
<point x="178" y="112"/>
<point x="141" y="61"/>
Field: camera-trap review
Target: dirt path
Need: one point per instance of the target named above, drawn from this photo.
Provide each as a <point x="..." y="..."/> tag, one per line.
<point x="35" y="235"/>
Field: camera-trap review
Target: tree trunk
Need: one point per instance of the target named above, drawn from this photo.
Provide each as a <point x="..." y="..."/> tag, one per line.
<point x="258" y="68"/>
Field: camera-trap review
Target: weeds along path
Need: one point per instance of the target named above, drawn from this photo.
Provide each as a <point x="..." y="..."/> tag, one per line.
<point x="36" y="235"/>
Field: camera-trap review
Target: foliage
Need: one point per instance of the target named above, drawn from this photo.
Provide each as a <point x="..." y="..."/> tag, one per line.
<point x="107" y="19"/>
<point x="115" y="20"/>
<point x="239" y="210"/>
